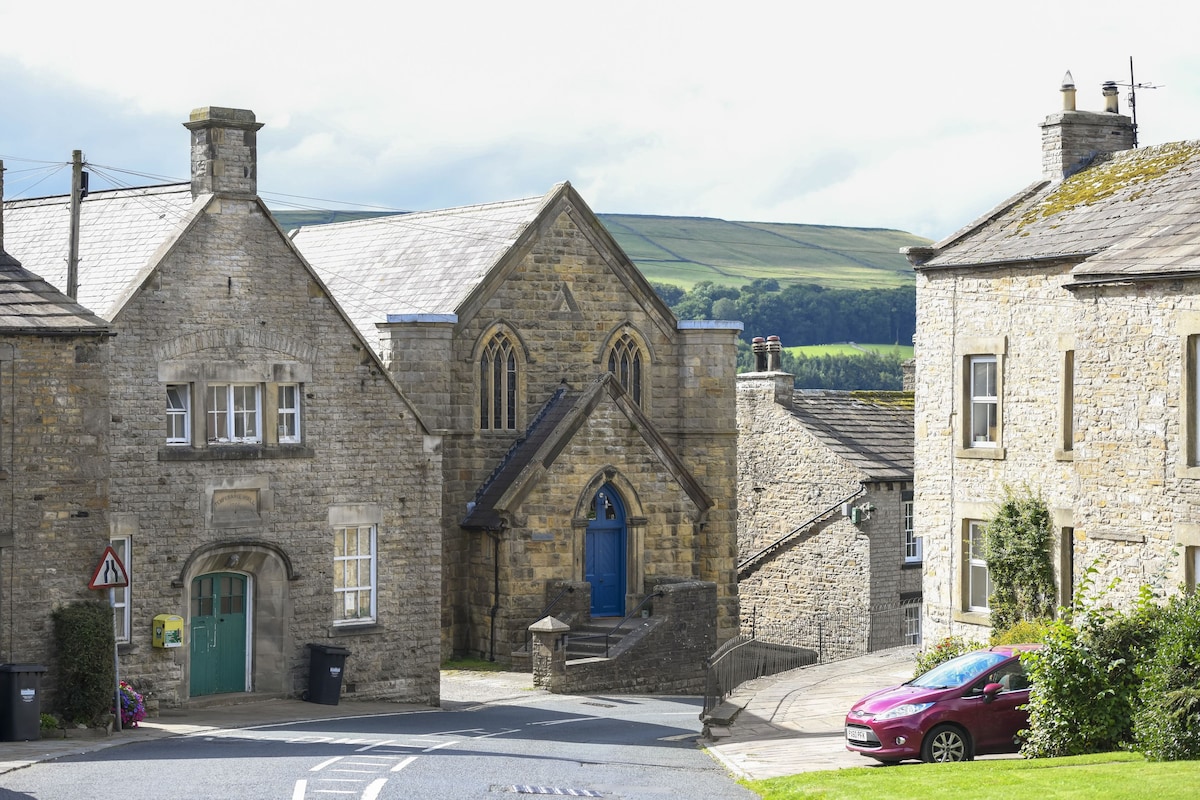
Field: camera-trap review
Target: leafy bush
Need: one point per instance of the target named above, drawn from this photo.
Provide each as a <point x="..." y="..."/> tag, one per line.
<point x="85" y="678"/>
<point x="1025" y="631"/>
<point x="946" y="649"/>
<point x="1017" y="548"/>
<point x="1085" y="681"/>
<point x="1167" y="723"/>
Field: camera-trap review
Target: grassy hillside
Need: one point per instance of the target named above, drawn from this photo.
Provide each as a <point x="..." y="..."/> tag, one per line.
<point x="683" y="251"/>
<point x="686" y="250"/>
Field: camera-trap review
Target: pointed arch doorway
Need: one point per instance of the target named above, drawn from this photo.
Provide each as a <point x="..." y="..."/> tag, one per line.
<point x="604" y="552"/>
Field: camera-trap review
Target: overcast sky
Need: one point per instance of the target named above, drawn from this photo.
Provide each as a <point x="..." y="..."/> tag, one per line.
<point x="917" y="116"/>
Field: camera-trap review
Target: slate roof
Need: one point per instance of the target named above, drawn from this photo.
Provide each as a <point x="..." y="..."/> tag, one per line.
<point x="120" y="232"/>
<point x="560" y="418"/>
<point x="30" y="305"/>
<point x="419" y="263"/>
<point x="873" y="431"/>
<point x="1134" y="212"/>
<point x="483" y="514"/>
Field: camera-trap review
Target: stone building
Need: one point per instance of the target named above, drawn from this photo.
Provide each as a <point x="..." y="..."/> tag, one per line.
<point x="1057" y="353"/>
<point x="589" y="436"/>
<point x="268" y="482"/>
<point x="827" y="556"/>
<point x="53" y="456"/>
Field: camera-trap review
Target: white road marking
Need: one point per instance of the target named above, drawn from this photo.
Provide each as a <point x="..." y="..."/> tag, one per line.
<point x="404" y="763"/>
<point x="374" y="789"/>
<point x="298" y="791"/>
<point x="325" y="764"/>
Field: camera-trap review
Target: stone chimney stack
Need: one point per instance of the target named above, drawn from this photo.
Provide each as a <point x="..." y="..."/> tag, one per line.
<point x="1071" y="139"/>
<point x="224" y="152"/>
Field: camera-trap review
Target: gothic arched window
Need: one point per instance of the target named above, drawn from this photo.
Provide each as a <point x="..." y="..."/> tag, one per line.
<point x="498" y="385"/>
<point x="625" y="361"/>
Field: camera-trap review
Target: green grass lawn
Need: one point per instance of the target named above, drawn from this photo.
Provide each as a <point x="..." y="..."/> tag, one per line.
<point x="847" y="349"/>
<point x="1107" y="776"/>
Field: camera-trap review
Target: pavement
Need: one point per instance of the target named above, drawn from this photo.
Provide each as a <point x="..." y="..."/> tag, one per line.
<point x="779" y="725"/>
<point x="793" y="722"/>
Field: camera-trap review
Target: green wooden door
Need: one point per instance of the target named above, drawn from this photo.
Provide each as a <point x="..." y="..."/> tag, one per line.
<point x="218" y="634"/>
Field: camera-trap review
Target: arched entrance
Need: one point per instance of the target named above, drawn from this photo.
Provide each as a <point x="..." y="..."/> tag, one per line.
<point x="218" y="633"/>
<point x="604" y="552"/>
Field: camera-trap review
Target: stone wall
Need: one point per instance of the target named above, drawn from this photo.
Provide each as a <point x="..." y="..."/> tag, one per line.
<point x="834" y="586"/>
<point x="664" y="655"/>
<point x="54" y="493"/>
<point x="233" y="296"/>
<point x="563" y="297"/>
<point x="1029" y="321"/>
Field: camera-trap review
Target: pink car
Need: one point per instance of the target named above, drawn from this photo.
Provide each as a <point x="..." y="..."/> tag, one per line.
<point x="970" y="705"/>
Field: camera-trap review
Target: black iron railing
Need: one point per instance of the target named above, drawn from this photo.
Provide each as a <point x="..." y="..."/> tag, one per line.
<point x="608" y="635"/>
<point x="745" y="658"/>
<point x="566" y="590"/>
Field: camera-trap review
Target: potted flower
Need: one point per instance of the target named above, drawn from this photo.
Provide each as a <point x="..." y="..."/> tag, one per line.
<point x="133" y="706"/>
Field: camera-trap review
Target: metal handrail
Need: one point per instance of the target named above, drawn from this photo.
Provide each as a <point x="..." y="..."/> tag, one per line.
<point x="607" y="635"/>
<point x="745" y="564"/>
<point x="568" y="589"/>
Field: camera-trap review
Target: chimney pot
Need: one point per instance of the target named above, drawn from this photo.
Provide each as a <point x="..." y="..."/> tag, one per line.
<point x="1068" y="92"/>
<point x="1109" y="90"/>
<point x="774" y="354"/>
<point x="759" y="347"/>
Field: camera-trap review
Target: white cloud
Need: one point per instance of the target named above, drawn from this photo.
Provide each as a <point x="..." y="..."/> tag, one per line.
<point x="914" y="115"/>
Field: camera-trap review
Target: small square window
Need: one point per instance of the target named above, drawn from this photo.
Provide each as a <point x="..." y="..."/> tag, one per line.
<point x="234" y="413"/>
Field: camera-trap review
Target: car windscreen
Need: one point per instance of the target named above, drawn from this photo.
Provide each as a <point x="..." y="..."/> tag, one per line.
<point x="958" y="671"/>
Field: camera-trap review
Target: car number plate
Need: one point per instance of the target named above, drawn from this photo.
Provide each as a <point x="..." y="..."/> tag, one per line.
<point x="857" y="734"/>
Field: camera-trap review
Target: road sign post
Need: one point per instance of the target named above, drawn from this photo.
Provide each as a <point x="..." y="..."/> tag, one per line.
<point x="110" y="574"/>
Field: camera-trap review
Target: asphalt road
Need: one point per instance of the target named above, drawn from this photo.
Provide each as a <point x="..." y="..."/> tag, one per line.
<point x="634" y="747"/>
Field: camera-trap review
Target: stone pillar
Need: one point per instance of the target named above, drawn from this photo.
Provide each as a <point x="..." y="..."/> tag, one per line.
<point x="549" y="654"/>
<point x="418" y="350"/>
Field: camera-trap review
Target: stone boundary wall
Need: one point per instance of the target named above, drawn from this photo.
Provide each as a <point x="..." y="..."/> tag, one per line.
<point x="665" y="656"/>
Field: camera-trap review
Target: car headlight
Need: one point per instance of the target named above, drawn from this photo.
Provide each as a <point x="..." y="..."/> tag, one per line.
<point x="905" y="710"/>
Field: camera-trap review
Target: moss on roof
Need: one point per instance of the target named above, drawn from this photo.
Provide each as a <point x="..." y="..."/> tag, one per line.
<point x="884" y="398"/>
<point x="1105" y="178"/>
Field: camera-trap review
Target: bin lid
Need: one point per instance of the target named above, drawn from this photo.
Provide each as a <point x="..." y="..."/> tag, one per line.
<point x="329" y="649"/>
<point x="22" y="668"/>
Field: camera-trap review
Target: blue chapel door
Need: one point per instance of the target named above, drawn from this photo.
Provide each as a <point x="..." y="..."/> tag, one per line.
<point x="604" y="553"/>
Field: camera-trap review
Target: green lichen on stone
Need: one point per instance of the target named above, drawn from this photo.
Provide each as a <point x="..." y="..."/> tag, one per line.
<point x="1131" y="169"/>
<point x="884" y="398"/>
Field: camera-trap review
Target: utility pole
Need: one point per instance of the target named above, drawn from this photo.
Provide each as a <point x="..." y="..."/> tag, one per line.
<point x="78" y="192"/>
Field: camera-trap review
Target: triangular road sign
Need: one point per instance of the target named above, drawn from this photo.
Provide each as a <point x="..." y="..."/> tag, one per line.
<point x="110" y="572"/>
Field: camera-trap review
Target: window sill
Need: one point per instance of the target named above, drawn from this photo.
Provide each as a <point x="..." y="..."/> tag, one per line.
<point x="912" y="565"/>
<point x="1191" y="471"/>
<point x="993" y="453"/>
<point x="349" y="628"/>
<point x="973" y="617"/>
<point x="234" y="452"/>
<point x="1063" y="455"/>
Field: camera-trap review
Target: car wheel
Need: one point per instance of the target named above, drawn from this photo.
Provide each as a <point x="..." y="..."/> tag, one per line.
<point x="946" y="743"/>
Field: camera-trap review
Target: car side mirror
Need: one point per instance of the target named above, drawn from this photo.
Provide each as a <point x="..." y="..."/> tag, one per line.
<point x="990" y="691"/>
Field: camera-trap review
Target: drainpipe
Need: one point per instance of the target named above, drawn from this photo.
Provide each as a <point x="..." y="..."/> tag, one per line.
<point x="495" y="536"/>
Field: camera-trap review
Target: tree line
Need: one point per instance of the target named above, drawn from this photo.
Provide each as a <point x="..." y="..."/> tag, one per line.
<point x="806" y="314"/>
